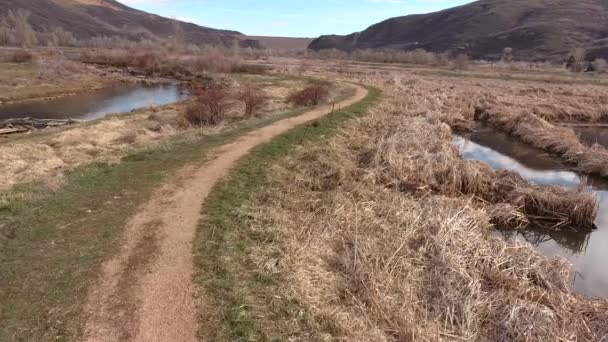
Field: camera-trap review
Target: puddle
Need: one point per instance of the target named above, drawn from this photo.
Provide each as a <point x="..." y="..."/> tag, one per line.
<point x="586" y="252"/>
<point x="96" y="104"/>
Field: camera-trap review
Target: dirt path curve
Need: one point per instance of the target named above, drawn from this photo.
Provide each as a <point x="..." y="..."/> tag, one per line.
<point x="145" y="292"/>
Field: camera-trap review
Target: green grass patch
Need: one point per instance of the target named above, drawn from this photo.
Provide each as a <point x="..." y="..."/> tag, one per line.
<point x="51" y="242"/>
<point x="224" y="242"/>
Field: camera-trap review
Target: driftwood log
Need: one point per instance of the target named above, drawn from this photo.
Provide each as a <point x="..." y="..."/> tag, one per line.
<point x="22" y="125"/>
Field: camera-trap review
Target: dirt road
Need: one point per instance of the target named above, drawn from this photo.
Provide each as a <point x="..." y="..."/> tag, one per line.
<point x="145" y="292"/>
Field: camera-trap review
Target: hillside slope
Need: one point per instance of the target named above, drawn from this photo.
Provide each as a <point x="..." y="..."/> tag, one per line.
<point x="92" y="18"/>
<point x="535" y="29"/>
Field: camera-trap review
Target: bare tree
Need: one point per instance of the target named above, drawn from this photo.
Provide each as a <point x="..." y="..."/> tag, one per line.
<point x="24" y="34"/>
<point x="179" y="38"/>
<point x="576" y="63"/>
<point x="5" y="33"/>
<point x="507" y="55"/>
<point x="61" y="37"/>
<point x="461" y="62"/>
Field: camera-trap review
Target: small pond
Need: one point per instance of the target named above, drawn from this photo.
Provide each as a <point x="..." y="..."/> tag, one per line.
<point x="587" y="252"/>
<point x="96" y="104"/>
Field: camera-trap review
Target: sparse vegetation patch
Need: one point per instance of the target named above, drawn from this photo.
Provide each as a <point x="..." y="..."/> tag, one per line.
<point x="309" y="96"/>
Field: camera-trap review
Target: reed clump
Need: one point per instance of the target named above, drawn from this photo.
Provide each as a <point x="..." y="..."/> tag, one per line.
<point x="401" y="158"/>
<point x="309" y="96"/>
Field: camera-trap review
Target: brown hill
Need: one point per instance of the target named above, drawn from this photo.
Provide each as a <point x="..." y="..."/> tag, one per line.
<point x="94" y="18"/>
<point x="535" y="29"/>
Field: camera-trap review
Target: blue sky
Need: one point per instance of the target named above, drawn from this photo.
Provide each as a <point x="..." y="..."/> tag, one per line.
<point x="294" y="18"/>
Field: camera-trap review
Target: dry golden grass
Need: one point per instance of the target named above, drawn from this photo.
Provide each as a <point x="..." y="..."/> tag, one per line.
<point x="385" y="234"/>
<point x="527" y="109"/>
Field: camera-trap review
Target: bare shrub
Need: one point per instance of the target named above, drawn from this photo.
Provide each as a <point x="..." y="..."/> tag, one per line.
<point x="61" y="37"/>
<point x="576" y="63"/>
<point x="24" y="34"/>
<point x="21" y="56"/>
<point x="208" y="107"/>
<point x="422" y="57"/>
<point x="160" y="61"/>
<point x="599" y="65"/>
<point x="461" y="62"/>
<point x="214" y="60"/>
<point x="310" y="96"/>
<point x="253" y="98"/>
<point x="6" y="34"/>
<point x="53" y="64"/>
<point x="507" y="55"/>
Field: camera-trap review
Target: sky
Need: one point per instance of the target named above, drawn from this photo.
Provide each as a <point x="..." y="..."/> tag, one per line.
<point x="291" y="18"/>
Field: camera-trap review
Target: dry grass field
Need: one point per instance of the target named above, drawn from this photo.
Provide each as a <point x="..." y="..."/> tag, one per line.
<point x="383" y="233"/>
<point x="365" y="225"/>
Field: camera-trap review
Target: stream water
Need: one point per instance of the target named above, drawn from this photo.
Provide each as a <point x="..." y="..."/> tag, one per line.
<point x="587" y="252"/>
<point x="592" y="135"/>
<point x="95" y="104"/>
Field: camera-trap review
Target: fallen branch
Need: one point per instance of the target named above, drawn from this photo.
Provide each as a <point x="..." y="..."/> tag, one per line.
<point x="21" y="125"/>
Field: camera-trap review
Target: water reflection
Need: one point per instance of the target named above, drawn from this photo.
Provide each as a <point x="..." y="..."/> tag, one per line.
<point x="586" y="251"/>
<point x="96" y="104"/>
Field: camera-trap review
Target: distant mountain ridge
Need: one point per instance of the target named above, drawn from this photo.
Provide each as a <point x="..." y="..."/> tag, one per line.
<point x="95" y="18"/>
<point x="535" y="29"/>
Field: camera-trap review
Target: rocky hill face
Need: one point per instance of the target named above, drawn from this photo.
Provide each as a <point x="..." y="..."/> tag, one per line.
<point x="535" y="29"/>
<point x="95" y="18"/>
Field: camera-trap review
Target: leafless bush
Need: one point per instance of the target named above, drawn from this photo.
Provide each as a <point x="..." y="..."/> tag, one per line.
<point x="208" y="107"/>
<point x="159" y="61"/>
<point x="461" y="62"/>
<point x="53" y="64"/>
<point x="61" y="37"/>
<point x="253" y="98"/>
<point x="576" y="63"/>
<point x="23" y="33"/>
<point x="599" y="65"/>
<point x="507" y="55"/>
<point x="215" y="60"/>
<point x="310" y="96"/>
<point x="418" y="56"/>
<point x="422" y="57"/>
<point x="21" y="56"/>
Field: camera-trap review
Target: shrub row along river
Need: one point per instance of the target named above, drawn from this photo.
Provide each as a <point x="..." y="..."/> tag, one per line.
<point x="95" y="104"/>
<point x="587" y="252"/>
